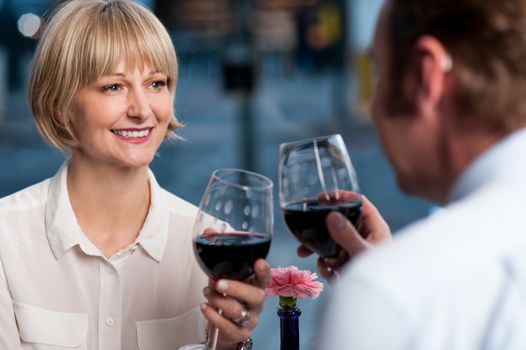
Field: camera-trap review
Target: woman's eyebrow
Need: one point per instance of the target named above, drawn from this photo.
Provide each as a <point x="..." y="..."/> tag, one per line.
<point x="123" y="75"/>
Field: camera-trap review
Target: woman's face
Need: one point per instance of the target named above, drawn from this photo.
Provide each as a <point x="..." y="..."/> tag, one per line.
<point x="122" y="118"/>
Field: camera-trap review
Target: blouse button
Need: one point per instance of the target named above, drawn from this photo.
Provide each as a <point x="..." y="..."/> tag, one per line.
<point x="109" y="322"/>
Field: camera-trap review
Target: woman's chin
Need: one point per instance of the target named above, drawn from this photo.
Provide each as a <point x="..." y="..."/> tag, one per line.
<point x="138" y="163"/>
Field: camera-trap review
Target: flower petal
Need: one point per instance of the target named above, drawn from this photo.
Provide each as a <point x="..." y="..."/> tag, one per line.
<point x="293" y="282"/>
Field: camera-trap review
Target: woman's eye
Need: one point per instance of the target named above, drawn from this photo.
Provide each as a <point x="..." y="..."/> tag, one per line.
<point x="112" y="88"/>
<point x="159" y="84"/>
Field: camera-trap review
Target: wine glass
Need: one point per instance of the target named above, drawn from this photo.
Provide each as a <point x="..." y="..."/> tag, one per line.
<point x="233" y="228"/>
<point x="316" y="177"/>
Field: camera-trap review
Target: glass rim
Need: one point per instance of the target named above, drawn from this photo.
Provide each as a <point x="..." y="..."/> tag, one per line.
<point x="310" y="140"/>
<point x="266" y="183"/>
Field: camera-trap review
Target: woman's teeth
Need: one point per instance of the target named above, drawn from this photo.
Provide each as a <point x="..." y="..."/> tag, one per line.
<point x="130" y="133"/>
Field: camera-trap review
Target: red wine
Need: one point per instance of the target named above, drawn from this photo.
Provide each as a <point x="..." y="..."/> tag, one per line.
<point x="231" y="255"/>
<point x="306" y="220"/>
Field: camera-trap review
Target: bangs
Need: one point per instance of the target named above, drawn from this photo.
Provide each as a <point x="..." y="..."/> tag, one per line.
<point x="85" y="40"/>
<point x="137" y="37"/>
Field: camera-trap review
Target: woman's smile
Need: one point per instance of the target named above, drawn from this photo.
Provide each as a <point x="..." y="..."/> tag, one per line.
<point x="133" y="135"/>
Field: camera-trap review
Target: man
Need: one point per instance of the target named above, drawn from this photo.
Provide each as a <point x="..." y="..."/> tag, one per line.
<point x="450" y="109"/>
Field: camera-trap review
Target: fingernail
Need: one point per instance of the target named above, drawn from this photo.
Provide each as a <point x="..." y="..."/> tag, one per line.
<point x="262" y="266"/>
<point x="222" y="285"/>
<point x="203" y="307"/>
<point x="206" y="291"/>
<point x="335" y="221"/>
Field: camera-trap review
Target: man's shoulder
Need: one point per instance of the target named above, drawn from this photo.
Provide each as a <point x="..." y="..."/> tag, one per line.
<point x="416" y="252"/>
<point x="422" y="290"/>
<point x="452" y="243"/>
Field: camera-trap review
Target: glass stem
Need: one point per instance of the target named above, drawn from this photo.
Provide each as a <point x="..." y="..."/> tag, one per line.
<point x="212" y="341"/>
<point x="214" y="333"/>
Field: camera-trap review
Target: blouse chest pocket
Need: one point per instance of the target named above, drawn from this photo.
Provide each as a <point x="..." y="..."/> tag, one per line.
<point x="171" y="333"/>
<point x="42" y="329"/>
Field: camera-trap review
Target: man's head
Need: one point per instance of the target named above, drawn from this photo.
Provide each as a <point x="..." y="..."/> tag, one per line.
<point x="487" y="42"/>
<point x="445" y="69"/>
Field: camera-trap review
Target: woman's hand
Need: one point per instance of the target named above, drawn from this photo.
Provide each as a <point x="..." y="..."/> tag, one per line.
<point x="370" y="229"/>
<point x="243" y="302"/>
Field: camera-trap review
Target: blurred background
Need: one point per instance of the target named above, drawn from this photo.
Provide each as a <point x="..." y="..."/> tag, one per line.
<point x="253" y="74"/>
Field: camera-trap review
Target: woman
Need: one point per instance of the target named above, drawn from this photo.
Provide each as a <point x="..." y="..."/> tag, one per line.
<point x="98" y="256"/>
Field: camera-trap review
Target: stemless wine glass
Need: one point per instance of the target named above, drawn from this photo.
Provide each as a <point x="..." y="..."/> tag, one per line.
<point x="233" y="228"/>
<point x="316" y="177"/>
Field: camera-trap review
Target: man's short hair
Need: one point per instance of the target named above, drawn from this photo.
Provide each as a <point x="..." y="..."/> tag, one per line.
<point x="487" y="42"/>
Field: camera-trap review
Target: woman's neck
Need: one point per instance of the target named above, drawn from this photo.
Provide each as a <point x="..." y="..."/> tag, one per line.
<point x="110" y="203"/>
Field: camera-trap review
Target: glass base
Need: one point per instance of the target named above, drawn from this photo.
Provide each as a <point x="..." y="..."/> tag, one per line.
<point x="195" y="347"/>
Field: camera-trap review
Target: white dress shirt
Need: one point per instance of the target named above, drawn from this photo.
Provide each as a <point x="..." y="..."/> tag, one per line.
<point x="57" y="291"/>
<point x="453" y="281"/>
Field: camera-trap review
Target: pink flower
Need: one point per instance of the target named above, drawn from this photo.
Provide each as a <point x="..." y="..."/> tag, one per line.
<point x="292" y="282"/>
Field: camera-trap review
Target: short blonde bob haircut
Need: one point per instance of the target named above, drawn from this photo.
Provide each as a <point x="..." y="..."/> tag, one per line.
<point x="85" y="40"/>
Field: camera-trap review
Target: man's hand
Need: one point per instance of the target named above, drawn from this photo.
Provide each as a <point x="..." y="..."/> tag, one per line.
<point x="371" y="229"/>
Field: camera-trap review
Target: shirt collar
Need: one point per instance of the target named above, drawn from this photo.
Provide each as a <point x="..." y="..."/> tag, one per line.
<point x="504" y="160"/>
<point x="62" y="229"/>
<point x="154" y="233"/>
<point x="64" y="232"/>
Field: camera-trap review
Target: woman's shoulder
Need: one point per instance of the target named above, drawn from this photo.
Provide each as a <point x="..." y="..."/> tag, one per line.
<point x="177" y="204"/>
<point x="27" y="198"/>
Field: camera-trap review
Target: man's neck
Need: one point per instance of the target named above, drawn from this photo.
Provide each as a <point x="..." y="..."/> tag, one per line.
<point x="463" y="147"/>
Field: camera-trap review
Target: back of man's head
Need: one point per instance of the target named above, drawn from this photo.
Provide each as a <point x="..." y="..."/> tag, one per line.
<point x="487" y="42"/>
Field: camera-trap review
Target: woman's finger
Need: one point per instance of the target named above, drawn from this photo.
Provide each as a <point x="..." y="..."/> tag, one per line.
<point x="262" y="273"/>
<point x="227" y="328"/>
<point x="231" y="308"/>
<point x="250" y="295"/>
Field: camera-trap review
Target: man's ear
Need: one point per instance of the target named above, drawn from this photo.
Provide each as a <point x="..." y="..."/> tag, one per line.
<point x="434" y="64"/>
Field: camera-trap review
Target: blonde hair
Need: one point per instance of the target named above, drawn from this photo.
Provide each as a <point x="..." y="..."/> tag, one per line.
<point x="85" y="40"/>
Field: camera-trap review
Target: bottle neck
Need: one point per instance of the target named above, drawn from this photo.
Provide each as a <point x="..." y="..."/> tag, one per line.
<point x="289" y="326"/>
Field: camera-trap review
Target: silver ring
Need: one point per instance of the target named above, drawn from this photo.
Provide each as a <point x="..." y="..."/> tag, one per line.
<point x="243" y="319"/>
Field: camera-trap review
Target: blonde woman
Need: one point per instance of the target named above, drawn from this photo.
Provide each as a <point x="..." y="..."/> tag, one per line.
<point x="98" y="257"/>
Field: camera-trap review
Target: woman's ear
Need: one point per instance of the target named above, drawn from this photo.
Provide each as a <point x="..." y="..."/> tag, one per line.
<point x="59" y="117"/>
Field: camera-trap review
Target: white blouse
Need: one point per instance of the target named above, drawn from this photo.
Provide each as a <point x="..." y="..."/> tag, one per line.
<point x="57" y="291"/>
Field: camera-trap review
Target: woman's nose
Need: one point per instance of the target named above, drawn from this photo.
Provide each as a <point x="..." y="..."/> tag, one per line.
<point x="138" y="105"/>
